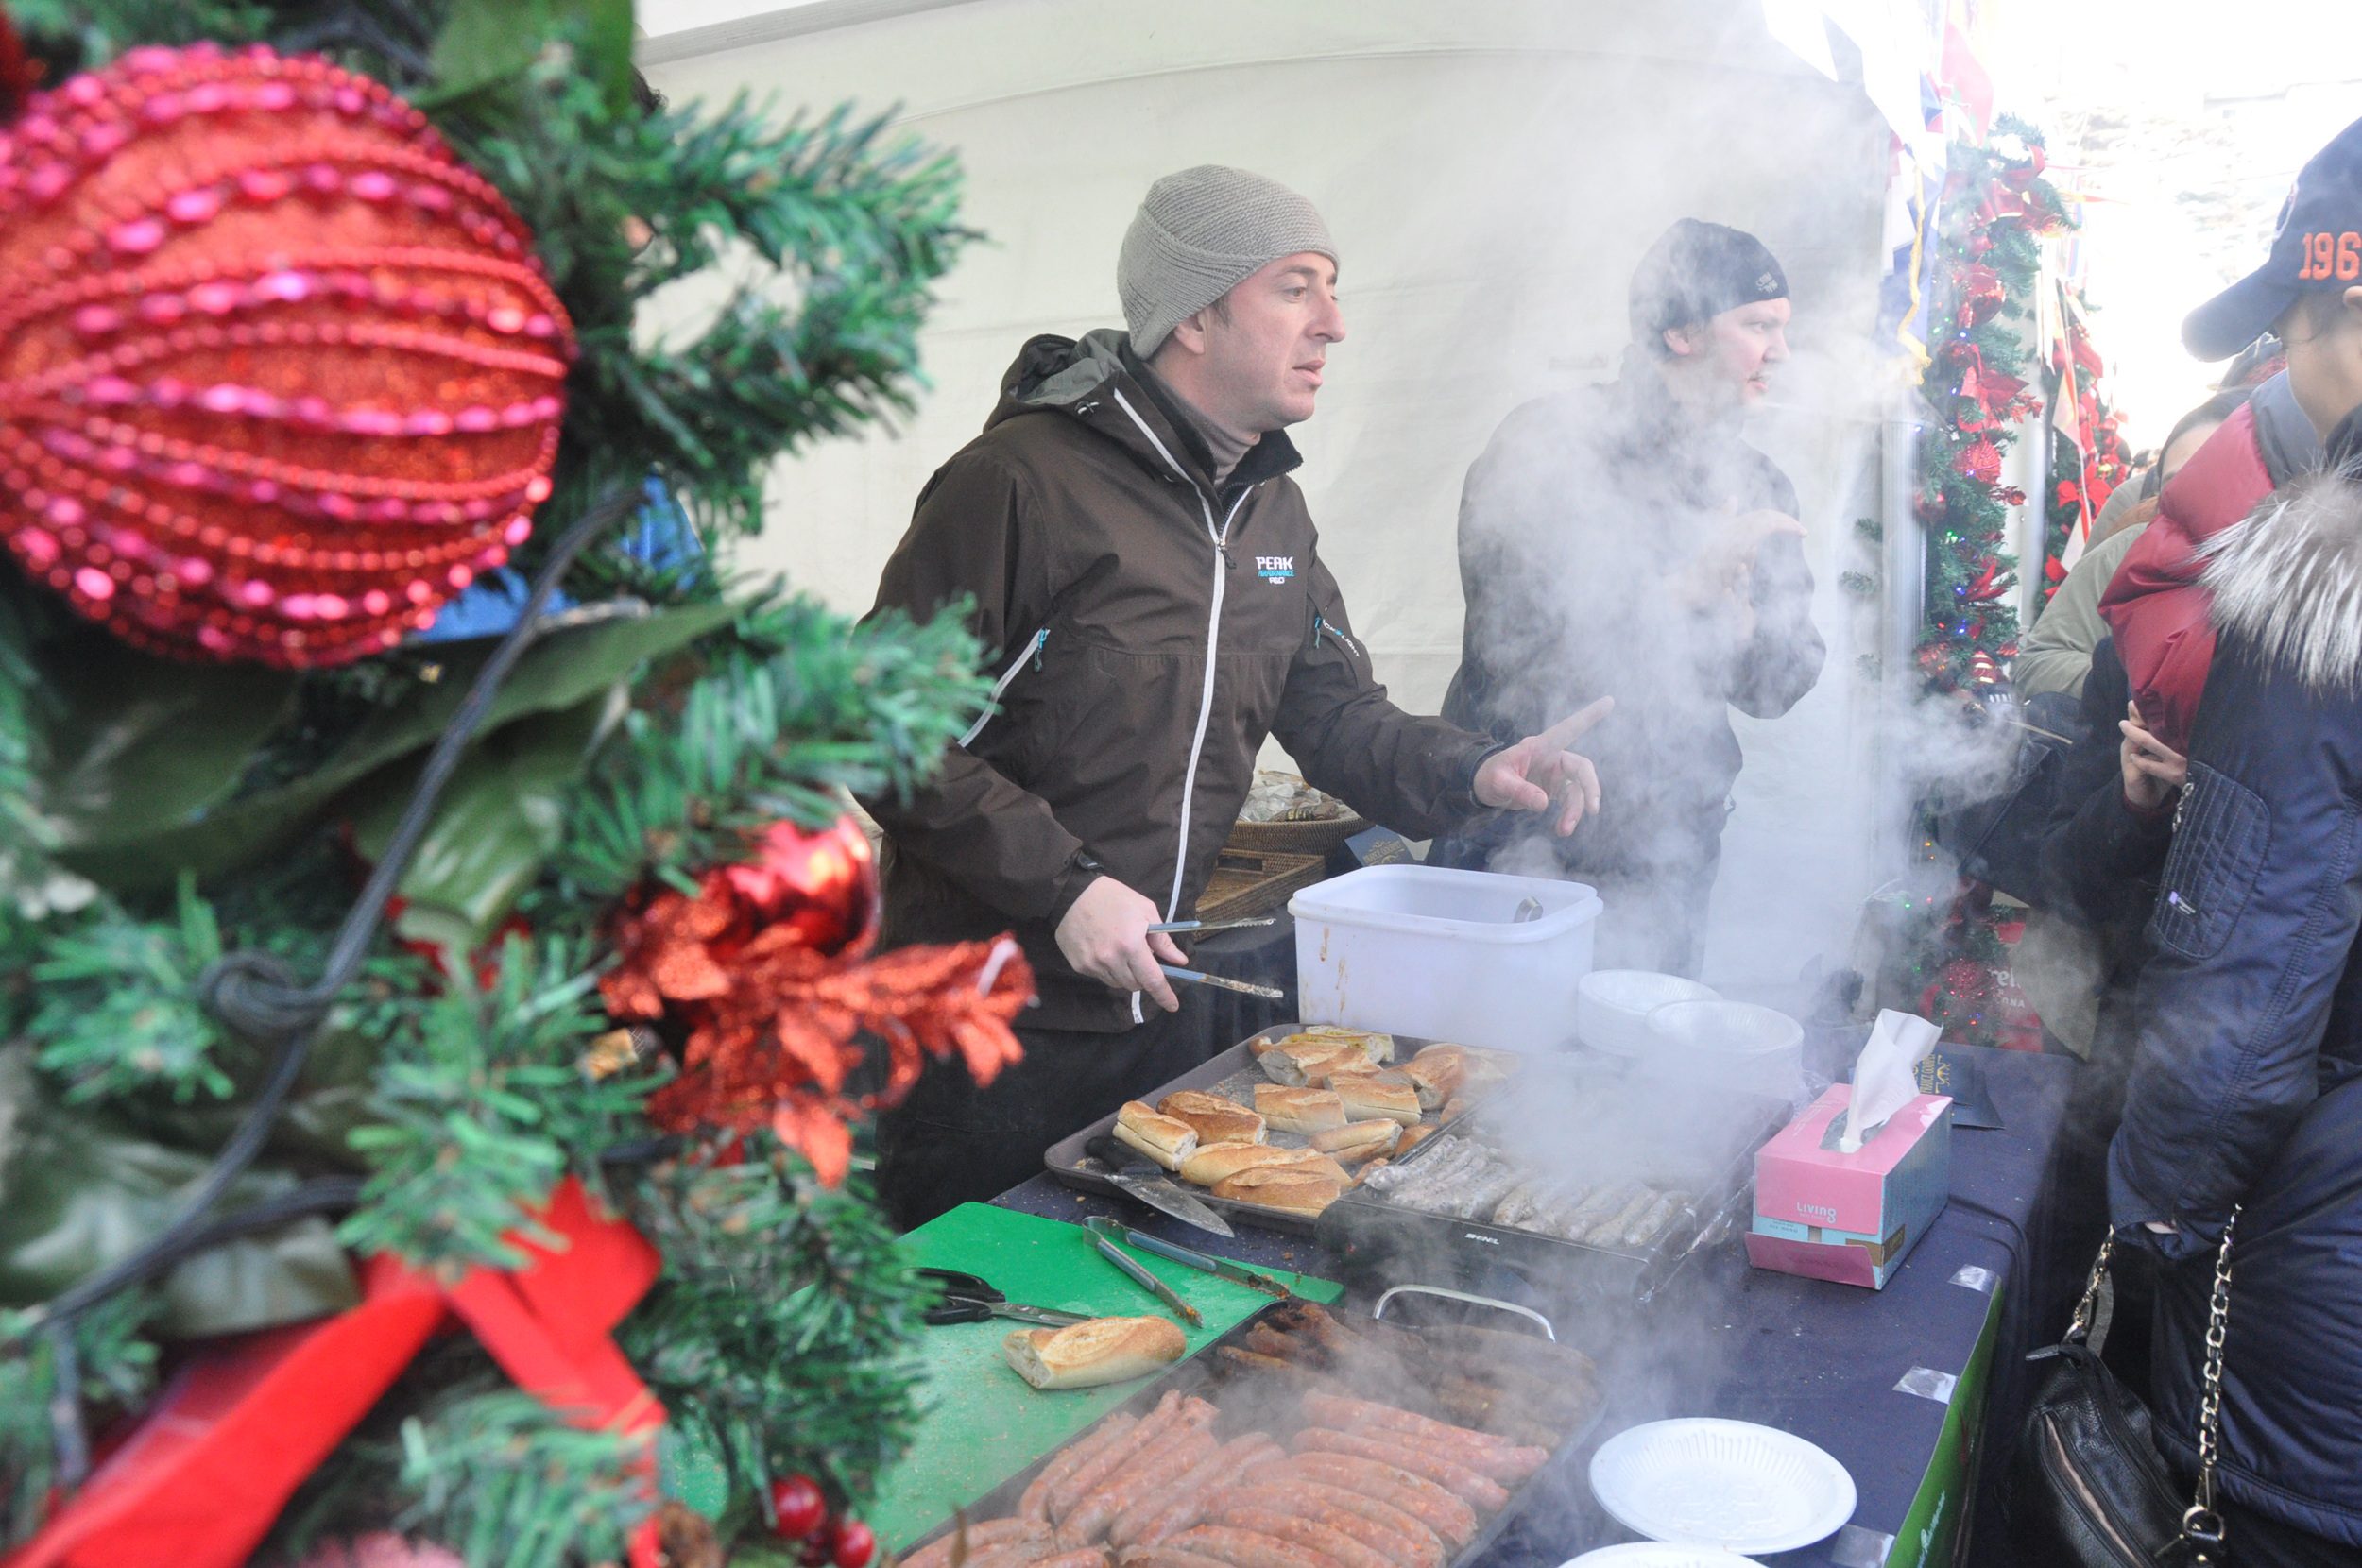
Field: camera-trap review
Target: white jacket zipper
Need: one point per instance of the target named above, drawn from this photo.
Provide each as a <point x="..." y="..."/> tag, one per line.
<point x="1221" y="538"/>
<point x="992" y="704"/>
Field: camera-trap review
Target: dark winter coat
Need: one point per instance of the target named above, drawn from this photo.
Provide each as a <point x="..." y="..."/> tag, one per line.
<point x="1152" y="629"/>
<point x="2248" y="1089"/>
<point x="2155" y="608"/>
<point x="2102" y="855"/>
<point x="1572" y="523"/>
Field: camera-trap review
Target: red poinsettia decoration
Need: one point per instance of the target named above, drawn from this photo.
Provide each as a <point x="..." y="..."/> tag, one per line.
<point x="1980" y="460"/>
<point x="768" y="966"/>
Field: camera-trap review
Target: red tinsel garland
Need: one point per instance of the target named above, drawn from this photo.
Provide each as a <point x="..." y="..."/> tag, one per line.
<point x="769" y="969"/>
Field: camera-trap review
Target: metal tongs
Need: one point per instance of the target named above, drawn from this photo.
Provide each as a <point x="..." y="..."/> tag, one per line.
<point x="1222" y="1268"/>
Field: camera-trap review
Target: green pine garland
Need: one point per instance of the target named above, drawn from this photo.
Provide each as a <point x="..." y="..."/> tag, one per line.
<point x="1997" y="208"/>
<point x="641" y="747"/>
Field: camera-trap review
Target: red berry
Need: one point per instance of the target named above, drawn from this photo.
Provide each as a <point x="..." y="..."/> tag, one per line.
<point x="814" y="1553"/>
<point x="798" y="1507"/>
<point x="855" y="1544"/>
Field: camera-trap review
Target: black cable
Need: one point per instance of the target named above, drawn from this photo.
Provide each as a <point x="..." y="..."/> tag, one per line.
<point x="2025" y="1246"/>
<point x="253" y="994"/>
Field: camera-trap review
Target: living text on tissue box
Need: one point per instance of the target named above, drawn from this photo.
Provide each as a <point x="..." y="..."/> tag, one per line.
<point x="1850" y="1217"/>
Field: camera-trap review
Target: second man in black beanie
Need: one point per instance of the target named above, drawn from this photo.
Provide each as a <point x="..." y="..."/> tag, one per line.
<point x="1622" y="540"/>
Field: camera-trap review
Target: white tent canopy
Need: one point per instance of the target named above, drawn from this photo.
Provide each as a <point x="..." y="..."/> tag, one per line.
<point x="1491" y="173"/>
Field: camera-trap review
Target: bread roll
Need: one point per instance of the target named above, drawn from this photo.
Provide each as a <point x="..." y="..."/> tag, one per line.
<point x="1209" y="1166"/>
<point x="1436" y="1073"/>
<point x="1412" y="1137"/>
<point x="1166" y="1140"/>
<point x="1216" y="1119"/>
<point x="1292" y="1061"/>
<point x="1298" y="1189"/>
<point x="1379" y="1095"/>
<point x="1360" y="1140"/>
<point x="1299" y="1110"/>
<point x="1377" y="1047"/>
<point x="1102" y="1349"/>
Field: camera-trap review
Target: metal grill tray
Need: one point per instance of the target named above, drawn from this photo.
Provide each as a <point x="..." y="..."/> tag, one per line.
<point x="1233" y="1075"/>
<point x="1218" y="1379"/>
<point x="1667" y="1135"/>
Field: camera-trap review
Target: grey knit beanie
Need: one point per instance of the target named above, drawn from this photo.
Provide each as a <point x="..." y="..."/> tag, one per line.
<point x="1197" y="235"/>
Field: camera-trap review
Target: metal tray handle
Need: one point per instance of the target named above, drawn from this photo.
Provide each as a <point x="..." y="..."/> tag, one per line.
<point x="1378" y="1311"/>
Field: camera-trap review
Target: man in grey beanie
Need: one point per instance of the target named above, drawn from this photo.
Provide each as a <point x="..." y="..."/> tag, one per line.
<point x="1129" y="540"/>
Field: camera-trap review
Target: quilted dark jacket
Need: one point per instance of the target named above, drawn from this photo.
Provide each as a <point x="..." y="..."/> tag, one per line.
<point x="2248" y="1087"/>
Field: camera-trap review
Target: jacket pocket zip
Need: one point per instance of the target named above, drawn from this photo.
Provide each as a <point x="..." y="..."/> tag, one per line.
<point x="1319" y="624"/>
<point x="1030" y="653"/>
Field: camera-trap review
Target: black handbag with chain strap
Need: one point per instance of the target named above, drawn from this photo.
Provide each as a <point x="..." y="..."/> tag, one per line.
<point x="2087" y="1485"/>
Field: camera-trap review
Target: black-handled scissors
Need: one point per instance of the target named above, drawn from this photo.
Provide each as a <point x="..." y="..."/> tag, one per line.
<point x="968" y="1299"/>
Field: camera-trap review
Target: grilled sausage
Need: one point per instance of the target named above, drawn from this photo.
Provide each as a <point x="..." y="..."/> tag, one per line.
<point x="1166" y="1557"/>
<point x="1482" y="1452"/>
<point x="1282" y="1523"/>
<point x="1255" y="1450"/>
<point x="1035" y="1503"/>
<point x="1416" y="1495"/>
<point x="1089" y="1557"/>
<point x="1373" y="1523"/>
<point x="1146" y="1474"/>
<point x="1477" y="1491"/>
<point x="1013" y="1553"/>
<point x="1084" y="1478"/>
<point x="1247" y="1548"/>
<point x="1187" y="1490"/>
<point x="981" y="1536"/>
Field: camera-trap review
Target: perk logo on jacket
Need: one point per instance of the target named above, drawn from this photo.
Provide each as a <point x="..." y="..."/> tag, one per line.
<point x="1274" y="569"/>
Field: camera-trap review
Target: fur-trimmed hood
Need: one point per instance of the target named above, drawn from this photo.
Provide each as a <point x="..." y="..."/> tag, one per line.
<point x="2288" y="581"/>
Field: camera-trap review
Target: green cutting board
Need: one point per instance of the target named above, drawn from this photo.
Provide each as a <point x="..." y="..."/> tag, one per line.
<point x="982" y="1423"/>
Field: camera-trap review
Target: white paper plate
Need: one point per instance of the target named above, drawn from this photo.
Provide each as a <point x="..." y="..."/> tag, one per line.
<point x="1612" y="1006"/>
<point x="1700" y="1481"/>
<point x="1661" y="1554"/>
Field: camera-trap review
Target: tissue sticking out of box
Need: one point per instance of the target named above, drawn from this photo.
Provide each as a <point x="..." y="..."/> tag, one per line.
<point x="1885" y="1075"/>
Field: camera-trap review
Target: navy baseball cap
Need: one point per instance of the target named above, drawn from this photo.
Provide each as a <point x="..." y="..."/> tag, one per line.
<point x="2317" y="248"/>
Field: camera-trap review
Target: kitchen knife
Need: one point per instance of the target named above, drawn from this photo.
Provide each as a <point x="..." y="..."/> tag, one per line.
<point x="1239" y="1273"/>
<point x="1137" y="1176"/>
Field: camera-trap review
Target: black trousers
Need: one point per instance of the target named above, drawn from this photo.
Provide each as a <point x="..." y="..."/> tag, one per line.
<point x="952" y="1143"/>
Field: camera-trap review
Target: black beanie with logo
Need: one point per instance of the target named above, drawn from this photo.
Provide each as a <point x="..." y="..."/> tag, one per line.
<point x="1695" y="271"/>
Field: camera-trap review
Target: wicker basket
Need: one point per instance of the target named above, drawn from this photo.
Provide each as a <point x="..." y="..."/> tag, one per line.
<point x="1247" y="882"/>
<point x="1295" y="838"/>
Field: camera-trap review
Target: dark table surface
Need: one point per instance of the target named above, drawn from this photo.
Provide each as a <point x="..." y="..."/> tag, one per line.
<point x="1817" y="1359"/>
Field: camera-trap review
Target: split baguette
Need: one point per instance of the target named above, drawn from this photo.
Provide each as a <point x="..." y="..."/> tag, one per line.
<point x="1299" y="1110"/>
<point x="1209" y="1166"/>
<point x="1166" y="1140"/>
<point x="1215" y="1119"/>
<point x="1378" y="1095"/>
<point x="1377" y="1047"/>
<point x="1296" y="1189"/>
<point x="1360" y="1140"/>
<point x="1296" y="1066"/>
<point x="1100" y="1350"/>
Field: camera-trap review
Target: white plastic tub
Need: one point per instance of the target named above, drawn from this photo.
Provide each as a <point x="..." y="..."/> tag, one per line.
<point x="1416" y="949"/>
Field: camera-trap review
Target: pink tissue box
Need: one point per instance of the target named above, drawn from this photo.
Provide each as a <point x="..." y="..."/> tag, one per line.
<point x="1850" y="1217"/>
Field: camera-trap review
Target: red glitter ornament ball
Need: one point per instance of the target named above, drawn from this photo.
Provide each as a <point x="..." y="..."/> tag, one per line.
<point x="823" y="883"/>
<point x="279" y="375"/>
